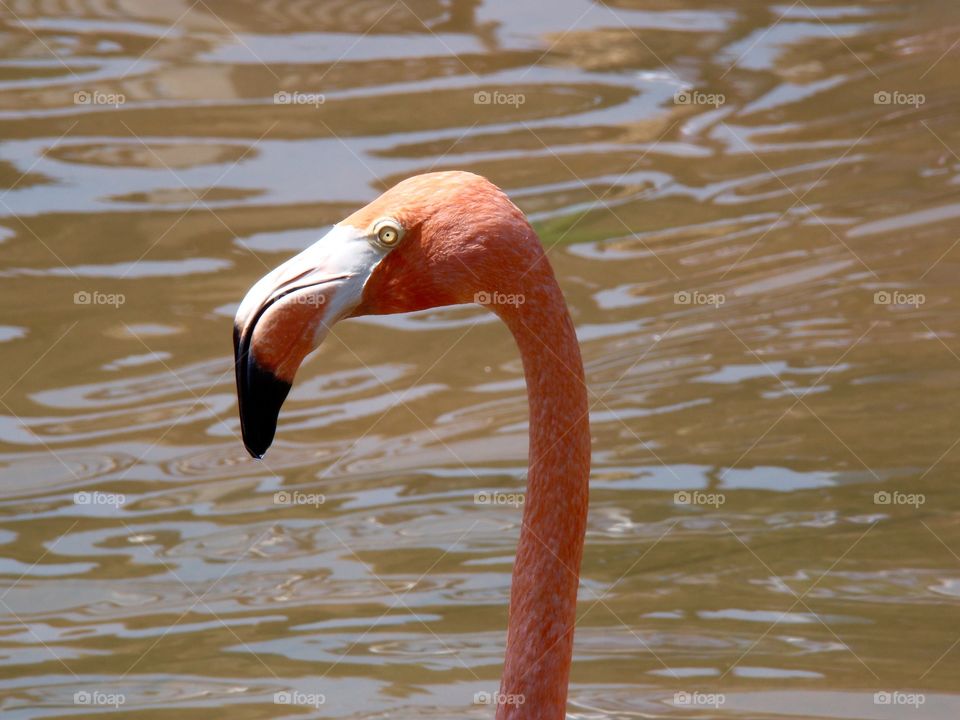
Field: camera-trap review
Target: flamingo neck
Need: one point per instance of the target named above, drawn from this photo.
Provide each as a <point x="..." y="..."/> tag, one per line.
<point x="546" y="573"/>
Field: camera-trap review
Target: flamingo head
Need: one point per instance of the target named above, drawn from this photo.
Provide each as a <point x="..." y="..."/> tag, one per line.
<point x="432" y="240"/>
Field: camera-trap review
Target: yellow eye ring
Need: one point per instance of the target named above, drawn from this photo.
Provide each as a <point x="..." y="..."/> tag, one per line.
<point x="388" y="232"/>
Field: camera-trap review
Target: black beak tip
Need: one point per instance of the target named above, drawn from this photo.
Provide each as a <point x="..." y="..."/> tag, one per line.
<point x="261" y="395"/>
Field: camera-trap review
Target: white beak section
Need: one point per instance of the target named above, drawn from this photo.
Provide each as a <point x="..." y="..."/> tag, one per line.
<point x="345" y="258"/>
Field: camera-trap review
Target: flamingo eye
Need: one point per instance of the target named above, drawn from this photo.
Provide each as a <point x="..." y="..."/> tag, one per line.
<point x="388" y="232"/>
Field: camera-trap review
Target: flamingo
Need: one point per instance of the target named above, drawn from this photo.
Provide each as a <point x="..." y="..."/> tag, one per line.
<point x="438" y="239"/>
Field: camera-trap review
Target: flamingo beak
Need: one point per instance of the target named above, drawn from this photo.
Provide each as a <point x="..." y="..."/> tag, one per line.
<point x="286" y="315"/>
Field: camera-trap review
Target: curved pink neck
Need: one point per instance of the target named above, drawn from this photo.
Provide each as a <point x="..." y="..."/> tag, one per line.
<point x="546" y="573"/>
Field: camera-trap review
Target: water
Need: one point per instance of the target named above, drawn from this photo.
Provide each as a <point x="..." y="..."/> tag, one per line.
<point x="759" y="252"/>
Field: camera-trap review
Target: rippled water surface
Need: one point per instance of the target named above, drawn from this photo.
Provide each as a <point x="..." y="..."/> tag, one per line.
<point x="753" y="210"/>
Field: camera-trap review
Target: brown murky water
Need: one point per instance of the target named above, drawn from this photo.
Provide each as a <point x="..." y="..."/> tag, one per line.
<point x="753" y="209"/>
